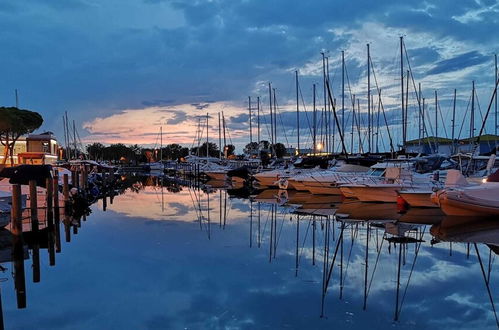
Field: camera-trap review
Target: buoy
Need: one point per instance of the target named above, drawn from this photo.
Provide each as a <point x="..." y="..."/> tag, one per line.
<point x="401" y="204"/>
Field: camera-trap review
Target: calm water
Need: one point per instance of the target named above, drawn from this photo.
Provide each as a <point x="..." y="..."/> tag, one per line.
<point x="163" y="259"/>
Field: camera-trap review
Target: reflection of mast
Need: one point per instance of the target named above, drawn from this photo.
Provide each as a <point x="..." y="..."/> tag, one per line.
<point x="259" y="216"/>
<point x="297" y="242"/>
<point x="487" y="284"/>
<point x="366" y="266"/>
<point x="314" y="224"/>
<point x="251" y="224"/>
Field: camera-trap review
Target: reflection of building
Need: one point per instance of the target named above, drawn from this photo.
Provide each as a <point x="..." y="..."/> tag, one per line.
<point x="34" y="149"/>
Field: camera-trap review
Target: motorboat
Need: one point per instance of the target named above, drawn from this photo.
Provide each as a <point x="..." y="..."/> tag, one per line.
<point x="477" y="200"/>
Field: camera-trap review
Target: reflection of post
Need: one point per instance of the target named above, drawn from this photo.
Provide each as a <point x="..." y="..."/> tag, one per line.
<point x="104" y="202"/>
<point x="1" y="312"/>
<point x="20" y="284"/>
<point x="67" y="228"/>
<point x="50" y="221"/>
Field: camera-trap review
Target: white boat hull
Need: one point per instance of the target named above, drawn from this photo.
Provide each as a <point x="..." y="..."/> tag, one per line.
<point x="418" y="199"/>
<point x="385" y="194"/>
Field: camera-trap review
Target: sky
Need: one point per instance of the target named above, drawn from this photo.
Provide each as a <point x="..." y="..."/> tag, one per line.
<point x="124" y="68"/>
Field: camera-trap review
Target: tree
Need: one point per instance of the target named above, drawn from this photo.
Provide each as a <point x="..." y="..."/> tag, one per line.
<point x="95" y="150"/>
<point x="14" y="123"/>
<point x="279" y="150"/>
<point x="212" y="150"/>
<point x="230" y="148"/>
<point x="175" y="151"/>
<point x="250" y="148"/>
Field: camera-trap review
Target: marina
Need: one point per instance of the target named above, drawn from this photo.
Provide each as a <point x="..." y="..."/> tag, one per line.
<point x="248" y="164"/>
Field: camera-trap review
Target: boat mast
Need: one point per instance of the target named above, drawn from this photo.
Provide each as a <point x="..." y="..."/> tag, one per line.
<point x="324" y="81"/>
<point x="331" y="131"/>
<point x="250" y="128"/>
<point x="297" y="115"/>
<point x="275" y="115"/>
<point x="472" y="119"/>
<point x="495" y="101"/>
<point x="225" y="139"/>
<point x="207" y="138"/>
<point x="258" y="119"/>
<point x="343" y="91"/>
<point x="402" y="91"/>
<point x="368" y="99"/>
<point x="219" y="136"/>
<point x="436" y="122"/>
<point x="353" y="121"/>
<point x="161" y="143"/>
<point x="453" y="119"/>
<point x="271" y="119"/>
<point x="314" y="122"/>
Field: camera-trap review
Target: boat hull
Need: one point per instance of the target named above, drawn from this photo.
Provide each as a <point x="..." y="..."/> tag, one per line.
<point x="418" y="199"/>
<point x="374" y="193"/>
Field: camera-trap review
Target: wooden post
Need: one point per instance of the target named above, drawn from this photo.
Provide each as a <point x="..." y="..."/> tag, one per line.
<point x="65" y="189"/>
<point x="33" y="205"/>
<point x="16" y="211"/>
<point x="49" y="202"/>
<point x="50" y="221"/>
<point x="77" y="180"/>
<point x="73" y="178"/>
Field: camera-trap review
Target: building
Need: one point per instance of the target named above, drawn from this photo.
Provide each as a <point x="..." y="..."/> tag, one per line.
<point x="488" y="144"/>
<point x="34" y="149"/>
<point x="430" y="145"/>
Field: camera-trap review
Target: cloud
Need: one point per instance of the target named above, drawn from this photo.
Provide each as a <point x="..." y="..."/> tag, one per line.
<point x="459" y="62"/>
<point x="197" y="52"/>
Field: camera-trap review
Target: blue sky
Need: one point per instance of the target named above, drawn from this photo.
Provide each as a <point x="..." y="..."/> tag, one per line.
<point x="102" y="59"/>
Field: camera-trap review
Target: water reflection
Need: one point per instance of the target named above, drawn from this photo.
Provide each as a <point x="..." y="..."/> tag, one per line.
<point x="276" y="259"/>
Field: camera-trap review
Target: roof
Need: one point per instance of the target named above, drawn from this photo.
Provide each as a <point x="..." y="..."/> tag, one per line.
<point x="430" y="139"/>
<point x="483" y="138"/>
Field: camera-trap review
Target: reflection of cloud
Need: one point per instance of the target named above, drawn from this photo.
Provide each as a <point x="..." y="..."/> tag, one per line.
<point x="151" y="203"/>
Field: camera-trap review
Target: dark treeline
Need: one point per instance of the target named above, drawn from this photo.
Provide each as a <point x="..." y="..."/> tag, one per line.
<point x="119" y="152"/>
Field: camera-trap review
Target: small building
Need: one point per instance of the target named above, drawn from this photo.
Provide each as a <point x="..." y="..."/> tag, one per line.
<point x="488" y="144"/>
<point x="430" y="145"/>
<point x="34" y="149"/>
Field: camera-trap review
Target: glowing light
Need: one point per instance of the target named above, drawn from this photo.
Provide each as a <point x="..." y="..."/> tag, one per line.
<point x="484" y="180"/>
<point x="319" y="146"/>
